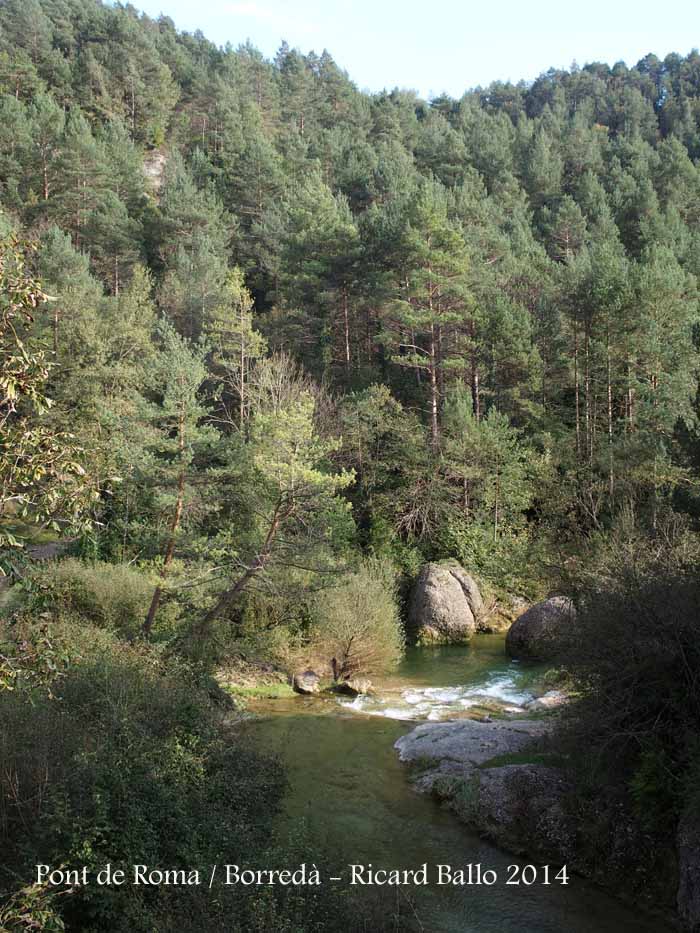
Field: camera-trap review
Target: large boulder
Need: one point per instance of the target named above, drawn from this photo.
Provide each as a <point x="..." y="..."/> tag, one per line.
<point x="446" y="604"/>
<point x="307" y="682"/>
<point x="538" y="634"/>
<point x="461" y="746"/>
<point x="520" y="807"/>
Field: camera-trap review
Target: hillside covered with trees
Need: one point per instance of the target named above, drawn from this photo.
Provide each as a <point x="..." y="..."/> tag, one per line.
<point x="270" y="343"/>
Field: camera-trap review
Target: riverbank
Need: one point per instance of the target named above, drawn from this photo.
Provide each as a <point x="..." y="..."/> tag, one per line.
<point x="354" y="796"/>
<point x="507" y="781"/>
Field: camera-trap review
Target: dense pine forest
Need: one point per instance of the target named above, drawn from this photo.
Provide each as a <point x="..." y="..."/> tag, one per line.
<point x="269" y="344"/>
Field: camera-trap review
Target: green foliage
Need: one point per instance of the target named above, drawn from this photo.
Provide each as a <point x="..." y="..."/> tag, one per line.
<point x="633" y="660"/>
<point x="265" y="692"/>
<point x="88" y="773"/>
<point x="41" y="476"/>
<point x="324" y="326"/>
<point x="488" y="465"/>
<point x="357" y="623"/>
<point x="513" y="564"/>
<point x="113" y="596"/>
<point x="32" y="908"/>
<point x="236" y="347"/>
<point x="32" y="660"/>
<point x="83" y="787"/>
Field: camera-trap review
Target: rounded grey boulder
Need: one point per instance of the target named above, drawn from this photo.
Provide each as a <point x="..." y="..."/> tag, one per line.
<point x="307" y="682"/>
<point x="446" y="604"/>
<point x="538" y="634"/>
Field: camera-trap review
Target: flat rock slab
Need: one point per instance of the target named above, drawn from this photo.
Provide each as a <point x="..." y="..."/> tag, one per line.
<point x="517" y="806"/>
<point x="468" y="743"/>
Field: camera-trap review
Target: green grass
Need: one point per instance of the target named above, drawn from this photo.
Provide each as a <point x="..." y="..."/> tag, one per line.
<point x="423" y="763"/>
<point x="552" y="759"/>
<point x="261" y="692"/>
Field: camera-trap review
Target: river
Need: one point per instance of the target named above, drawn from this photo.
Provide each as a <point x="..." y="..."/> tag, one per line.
<point x="347" y="784"/>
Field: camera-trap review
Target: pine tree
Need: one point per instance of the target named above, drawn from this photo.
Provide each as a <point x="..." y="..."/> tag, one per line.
<point x="321" y="263"/>
<point x="428" y="324"/>
<point x="236" y="346"/>
<point x="83" y="179"/>
<point x="179" y="374"/>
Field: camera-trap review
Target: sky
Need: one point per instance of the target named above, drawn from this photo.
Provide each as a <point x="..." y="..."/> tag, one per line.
<point x="435" y="46"/>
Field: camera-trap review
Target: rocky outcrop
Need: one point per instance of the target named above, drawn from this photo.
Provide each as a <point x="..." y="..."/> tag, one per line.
<point x="154" y="164"/>
<point x="689" y="872"/>
<point x="539" y="633"/>
<point x="501" y="613"/>
<point x="553" y="699"/>
<point x="307" y="682"/>
<point x="356" y="686"/>
<point x="446" y="605"/>
<point x="459" y="747"/>
<point x="517" y="805"/>
<point x="51" y="551"/>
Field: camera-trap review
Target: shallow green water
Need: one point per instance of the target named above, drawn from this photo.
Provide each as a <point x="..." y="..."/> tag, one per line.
<point x="350" y="788"/>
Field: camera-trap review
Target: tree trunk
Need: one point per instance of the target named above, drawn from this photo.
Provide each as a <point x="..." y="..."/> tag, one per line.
<point x="630" y="399"/>
<point x="434" y="431"/>
<point x="495" y="510"/>
<point x="256" y="566"/>
<point x="174" y="527"/>
<point x="241" y="388"/>
<point x="587" y="397"/>
<point x="346" y="325"/>
<point x="476" y="393"/>
<point x="577" y="393"/>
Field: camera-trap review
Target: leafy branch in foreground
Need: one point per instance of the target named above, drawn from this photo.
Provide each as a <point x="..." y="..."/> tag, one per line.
<point x="42" y="480"/>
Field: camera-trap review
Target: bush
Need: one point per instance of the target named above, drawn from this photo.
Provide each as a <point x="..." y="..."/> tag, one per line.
<point x="113" y="596"/>
<point x="357" y="623"/>
<point x="634" y="659"/>
<point x="126" y="764"/>
<point x="512" y="564"/>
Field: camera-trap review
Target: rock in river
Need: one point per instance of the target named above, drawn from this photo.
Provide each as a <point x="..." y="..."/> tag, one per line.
<point x="553" y="699"/>
<point x="537" y="634"/>
<point x="446" y="604"/>
<point x="517" y="805"/>
<point x="465" y="744"/>
<point x="357" y="686"/>
<point x="307" y="682"/>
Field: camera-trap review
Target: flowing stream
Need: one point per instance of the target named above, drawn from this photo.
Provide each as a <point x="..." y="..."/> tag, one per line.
<point x="355" y="797"/>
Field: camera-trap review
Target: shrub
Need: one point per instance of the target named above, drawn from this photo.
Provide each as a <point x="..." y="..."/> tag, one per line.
<point x="634" y="659"/>
<point x="512" y="564"/>
<point x="113" y="596"/>
<point x="126" y="764"/>
<point x="357" y="623"/>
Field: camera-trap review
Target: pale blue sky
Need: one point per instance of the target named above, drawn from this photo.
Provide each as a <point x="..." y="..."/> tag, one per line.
<point x="446" y="45"/>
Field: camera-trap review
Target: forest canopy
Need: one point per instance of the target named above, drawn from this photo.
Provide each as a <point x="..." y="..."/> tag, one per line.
<point x="515" y="269"/>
